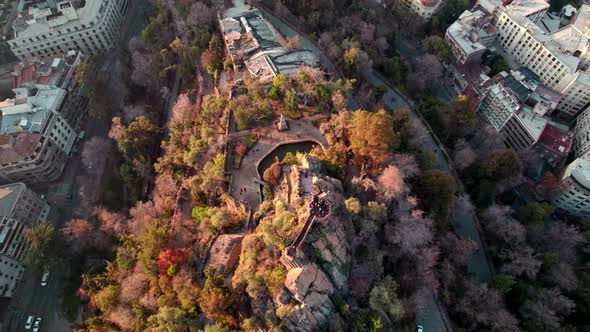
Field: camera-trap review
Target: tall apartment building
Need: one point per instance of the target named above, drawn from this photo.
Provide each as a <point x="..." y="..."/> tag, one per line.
<point x="49" y="27"/>
<point x="560" y="58"/>
<point x="574" y="197"/>
<point x="582" y="140"/>
<point x="12" y="246"/>
<point x="424" y="8"/>
<point x="21" y="203"/>
<point x="515" y="105"/>
<point x="35" y="140"/>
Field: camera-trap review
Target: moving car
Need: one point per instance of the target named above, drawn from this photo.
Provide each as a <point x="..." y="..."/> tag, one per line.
<point x="29" y="323"/>
<point x="37" y="324"/>
<point x="44" y="278"/>
<point x="419" y="328"/>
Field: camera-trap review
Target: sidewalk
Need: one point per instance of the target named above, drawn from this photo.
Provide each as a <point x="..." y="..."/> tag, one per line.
<point x="269" y="138"/>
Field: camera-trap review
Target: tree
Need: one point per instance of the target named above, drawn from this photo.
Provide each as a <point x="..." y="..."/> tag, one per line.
<point x="521" y="261"/>
<point x="483" y="309"/>
<point x="426" y="74"/>
<point x="411" y="233"/>
<point x="534" y="213"/>
<point x="169" y="319"/>
<point x="272" y="175"/>
<point x="213" y="174"/>
<point x="138" y="140"/>
<point x="107" y="299"/>
<point x="170" y="261"/>
<point x="384" y="298"/>
<point x="458" y="249"/>
<point x="372" y="136"/>
<point x="439" y="47"/>
<point x="95" y="153"/>
<point x="395" y="69"/>
<point x="391" y="183"/>
<point x="82" y="235"/>
<point x="39" y="240"/>
<point x="353" y="205"/>
<point x="546" y="309"/>
<point x="505" y="164"/>
<point x="464" y="156"/>
<point x="501" y="227"/>
<point x="437" y="194"/>
<point x="548" y="186"/>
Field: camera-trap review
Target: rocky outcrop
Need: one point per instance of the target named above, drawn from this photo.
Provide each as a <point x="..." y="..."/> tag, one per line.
<point x="225" y="252"/>
<point x="312" y="289"/>
<point x="334" y="252"/>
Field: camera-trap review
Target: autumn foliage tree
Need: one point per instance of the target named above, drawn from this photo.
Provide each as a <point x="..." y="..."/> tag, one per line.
<point x="272" y="175"/>
<point x="372" y="136"/>
<point x="170" y="261"/>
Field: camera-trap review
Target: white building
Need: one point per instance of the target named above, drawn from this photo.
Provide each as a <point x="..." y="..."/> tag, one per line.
<point x="35" y="140"/>
<point x="574" y="197"/>
<point x="12" y="246"/>
<point x="559" y="58"/>
<point x="50" y="27"/>
<point x="21" y="203"/>
<point x="424" y="8"/>
<point x="498" y="105"/>
<point x="470" y="35"/>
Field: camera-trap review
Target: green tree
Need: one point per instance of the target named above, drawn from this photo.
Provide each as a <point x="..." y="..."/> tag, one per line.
<point x="503" y="282"/>
<point x="534" y="213"/>
<point x="213" y="174"/>
<point x="439" y="47"/>
<point x="138" y="140"/>
<point x="107" y="299"/>
<point x="384" y="297"/>
<point x="291" y="102"/>
<point x="169" y="319"/>
<point x="505" y="164"/>
<point x="40" y="240"/>
<point x="395" y="69"/>
<point x="279" y="85"/>
<point x="151" y="241"/>
<point x="437" y="195"/>
<point x="353" y="205"/>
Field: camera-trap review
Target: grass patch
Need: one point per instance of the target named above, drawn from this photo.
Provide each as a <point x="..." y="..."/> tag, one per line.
<point x="70" y="304"/>
<point x="237" y="161"/>
<point x="292" y="114"/>
<point x="248" y="140"/>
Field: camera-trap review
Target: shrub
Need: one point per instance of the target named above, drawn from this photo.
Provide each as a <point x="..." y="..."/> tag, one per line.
<point x="266" y="192"/>
<point x="107" y="299"/>
<point x="272" y="175"/>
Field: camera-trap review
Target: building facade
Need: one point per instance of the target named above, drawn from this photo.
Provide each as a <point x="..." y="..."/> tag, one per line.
<point x="49" y="27"/>
<point x="471" y="35"/>
<point x="574" y="197"/>
<point x="21" y="203"/>
<point x="12" y="246"/>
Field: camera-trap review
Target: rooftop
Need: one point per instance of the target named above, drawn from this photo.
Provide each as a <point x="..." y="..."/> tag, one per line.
<point x="9" y="195"/>
<point x="465" y="36"/>
<point x="534" y="124"/>
<point x="50" y="71"/>
<point x="528" y="7"/>
<point x="565" y="43"/>
<point x="557" y="139"/>
<point x="429" y="3"/>
<point x="30" y="109"/>
<point x="14" y="148"/>
<point x="582" y="20"/>
<point x="579" y="169"/>
<point x="39" y="20"/>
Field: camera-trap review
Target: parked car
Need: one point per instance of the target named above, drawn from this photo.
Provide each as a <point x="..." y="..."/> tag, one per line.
<point x="44" y="278"/>
<point x="29" y="322"/>
<point x="37" y="324"/>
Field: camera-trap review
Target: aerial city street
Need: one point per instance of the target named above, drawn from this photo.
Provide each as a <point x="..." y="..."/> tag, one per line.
<point x="294" y="165"/>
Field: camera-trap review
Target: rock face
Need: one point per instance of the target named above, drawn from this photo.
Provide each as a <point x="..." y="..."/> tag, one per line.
<point x="334" y="250"/>
<point x="225" y="252"/>
<point x="312" y="289"/>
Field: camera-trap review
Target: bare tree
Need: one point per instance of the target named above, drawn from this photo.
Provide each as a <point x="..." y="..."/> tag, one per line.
<point x="182" y="109"/>
<point x="133" y="286"/>
<point x="131" y="112"/>
<point x="521" y="261"/>
<point x="407" y="164"/>
<point x="547" y="308"/>
<point x="464" y="155"/>
<point x="563" y="275"/>
<point x="562" y="240"/>
<point x="82" y="235"/>
<point x="391" y="183"/>
<point x="457" y="249"/>
<point x="117" y="129"/>
<point x="502" y="227"/>
<point x="111" y="223"/>
<point x="483" y="308"/>
<point x="410" y="233"/>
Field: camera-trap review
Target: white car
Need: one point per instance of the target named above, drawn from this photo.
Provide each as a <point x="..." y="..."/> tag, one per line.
<point x="44" y="278"/>
<point x="29" y="323"/>
<point x="37" y="324"/>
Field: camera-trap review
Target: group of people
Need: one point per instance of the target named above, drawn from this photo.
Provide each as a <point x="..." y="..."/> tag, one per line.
<point x="319" y="207"/>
